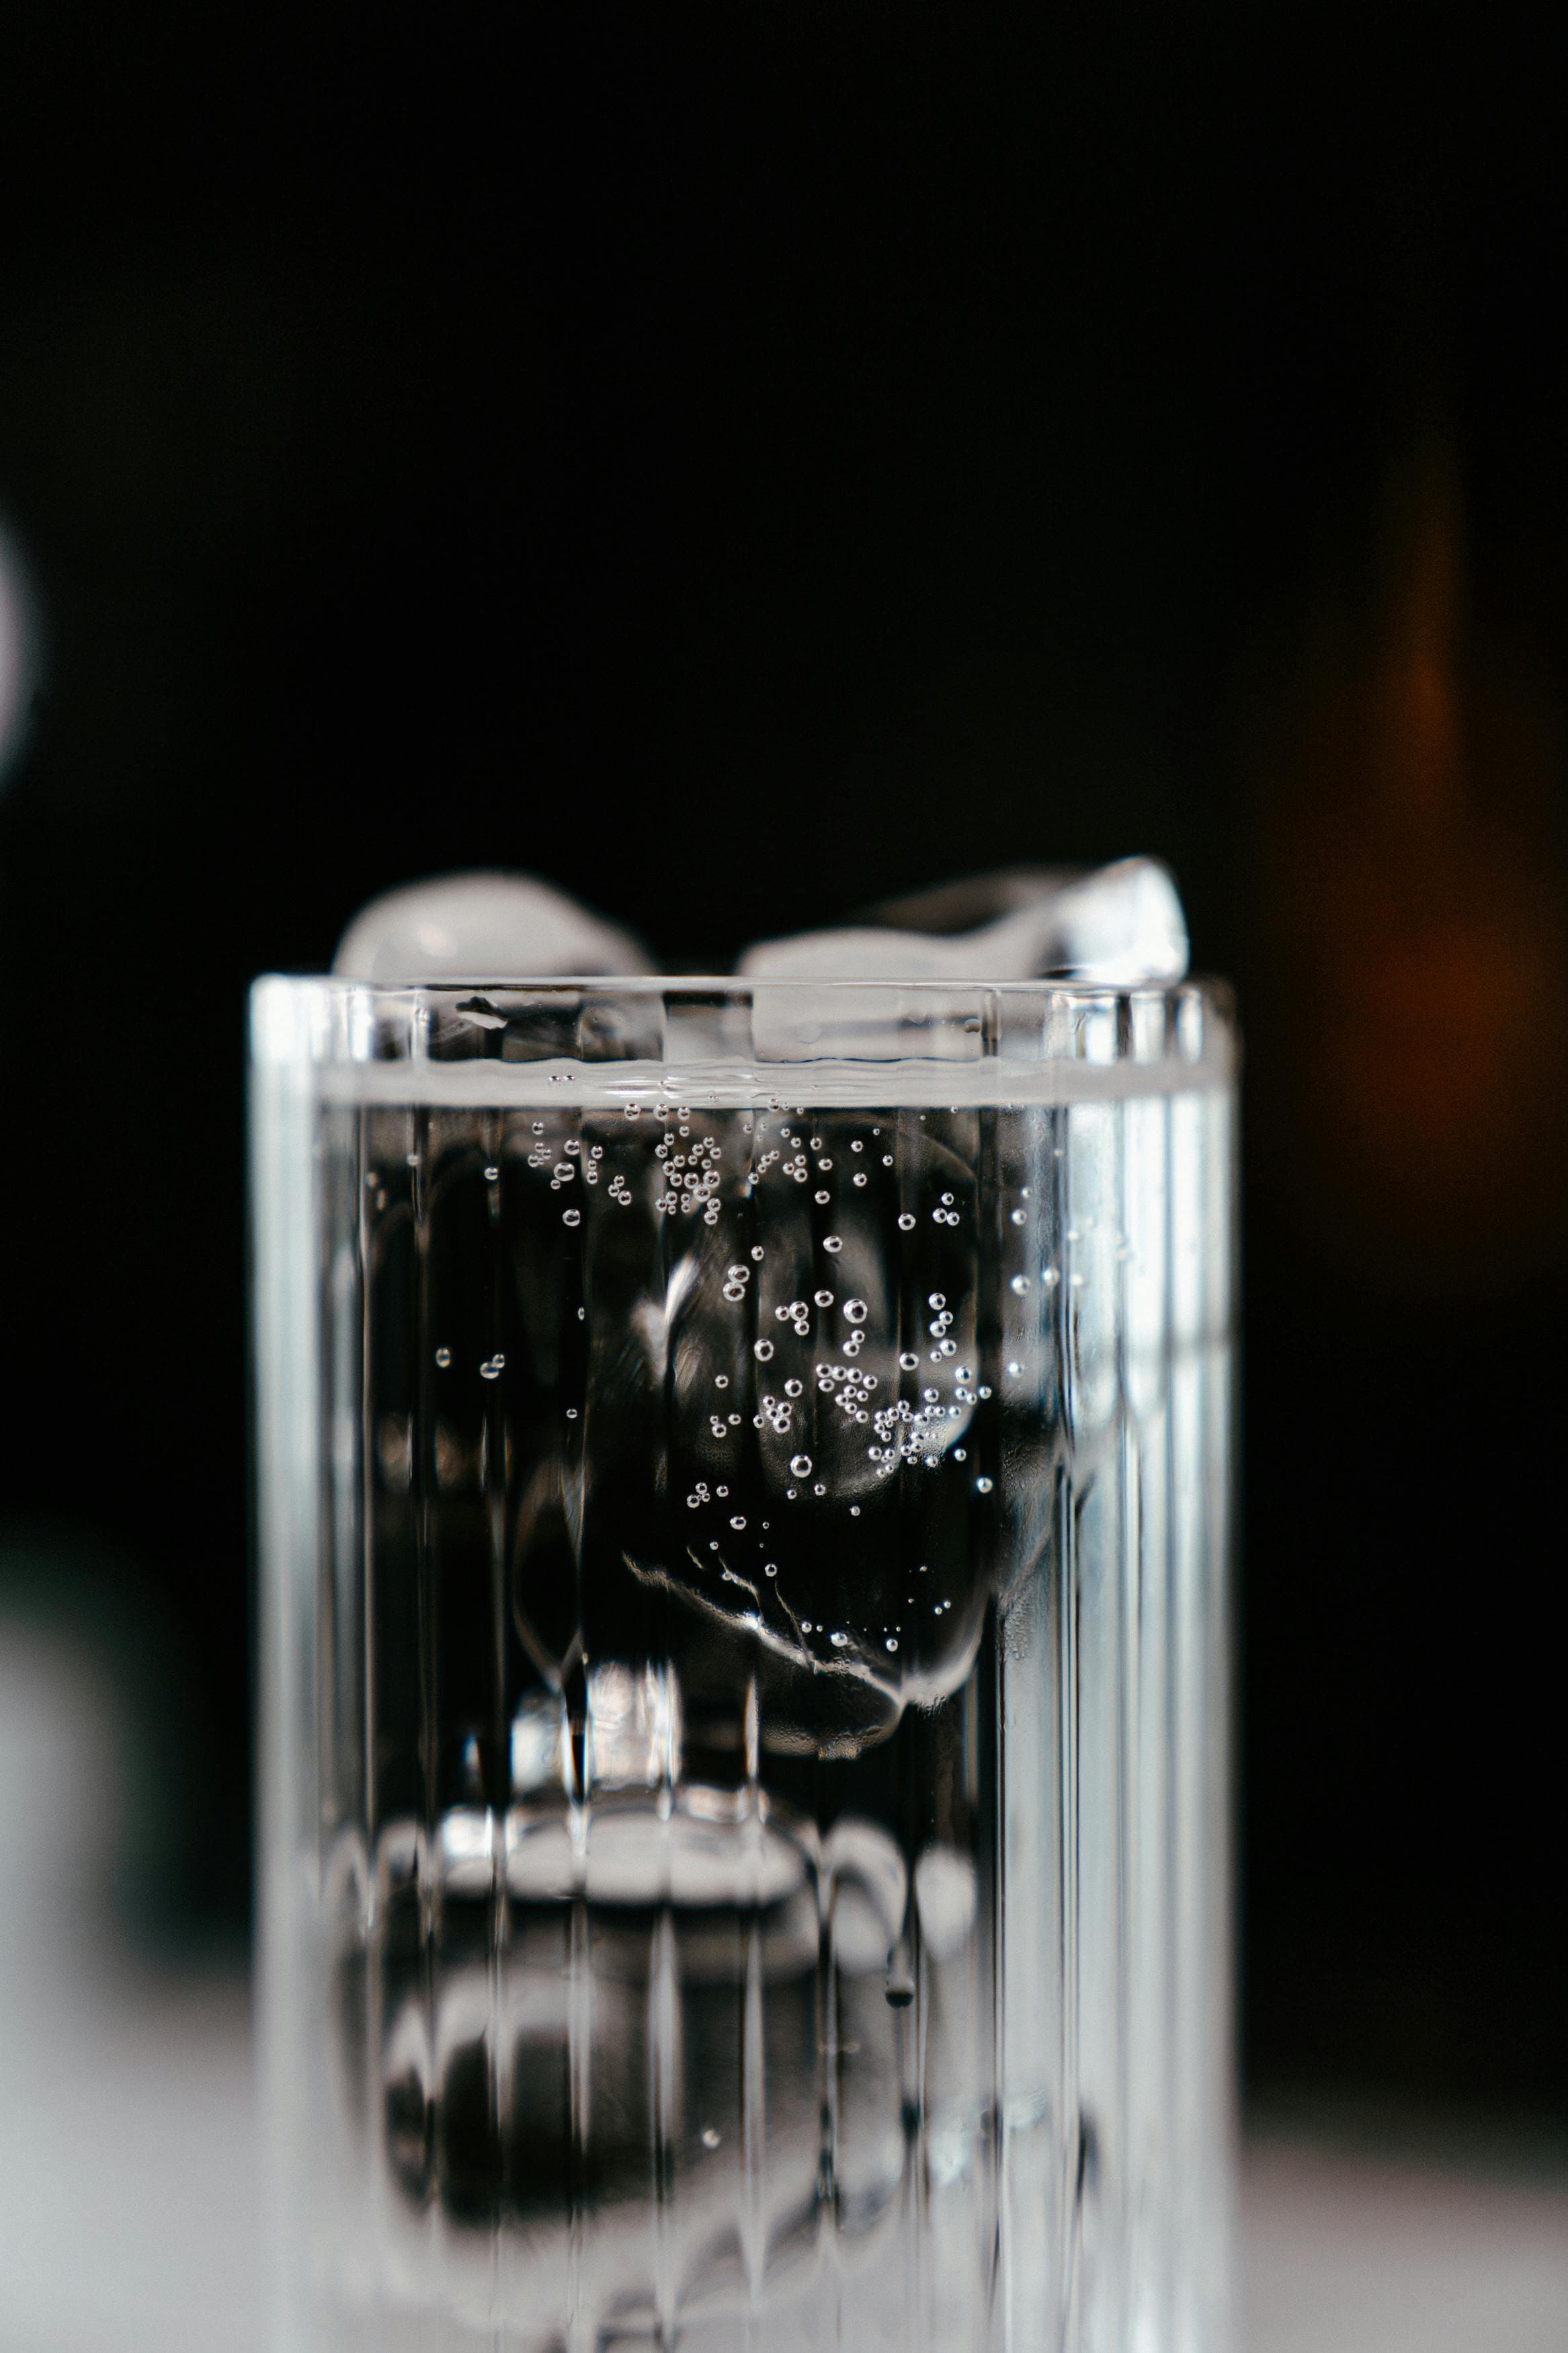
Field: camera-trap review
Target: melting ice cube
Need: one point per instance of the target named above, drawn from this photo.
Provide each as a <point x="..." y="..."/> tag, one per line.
<point x="483" y="927"/>
<point x="1116" y="926"/>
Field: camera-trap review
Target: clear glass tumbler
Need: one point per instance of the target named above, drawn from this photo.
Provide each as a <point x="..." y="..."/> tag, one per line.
<point x="745" y="1505"/>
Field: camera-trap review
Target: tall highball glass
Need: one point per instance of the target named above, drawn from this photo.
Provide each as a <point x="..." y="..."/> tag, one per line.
<point x="743" y="1486"/>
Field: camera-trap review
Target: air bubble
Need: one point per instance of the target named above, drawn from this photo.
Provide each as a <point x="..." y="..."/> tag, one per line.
<point x="795" y="1388"/>
<point x="799" y="1465"/>
<point x="823" y="1298"/>
<point x="838" y="1640"/>
<point x="492" y="1175"/>
<point x="906" y="1223"/>
<point x="721" y="1380"/>
<point x="571" y="1217"/>
<point x="1020" y="1283"/>
<point x="770" y="1569"/>
<point x="891" y="1643"/>
<point x="762" y="1350"/>
<point x="738" y="1521"/>
<point x="756" y="1250"/>
<point x="819" y="1489"/>
<point x="443" y="1357"/>
<point x="1014" y="1369"/>
<point x="832" y="1242"/>
<point x="910" y="1362"/>
<point x="1020" y="1217"/>
<point x="738" y="1273"/>
<point x="983" y="1486"/>
<point x="855" y="1311"/>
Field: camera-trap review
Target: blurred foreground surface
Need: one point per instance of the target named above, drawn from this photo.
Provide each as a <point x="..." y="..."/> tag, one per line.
<point x="129" y="2164"/>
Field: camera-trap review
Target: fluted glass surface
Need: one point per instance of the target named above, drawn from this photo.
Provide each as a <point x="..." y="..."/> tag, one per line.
<point x="743" y="1494"/>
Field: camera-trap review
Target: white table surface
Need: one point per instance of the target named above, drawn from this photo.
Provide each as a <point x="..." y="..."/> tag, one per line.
<point x="129" y="2170"/>
<point x="129" y="2190"/>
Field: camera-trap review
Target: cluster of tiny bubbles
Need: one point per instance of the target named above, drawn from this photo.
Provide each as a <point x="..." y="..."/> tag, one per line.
<point x="762" y="1350"/>
<point x="738" y="1276"/>
<point x="775" y="1413"/>
<point x="831" y="1242"/>
<point x="443" y="1357"/>
<point x="620" y="1191"/>
<point x="946" y="1215"/>
<point x="492" y="1367"/>
<point x="796" y="1311"/>
<point x="906" y="1223"/>
<point x="562" y="1173"/>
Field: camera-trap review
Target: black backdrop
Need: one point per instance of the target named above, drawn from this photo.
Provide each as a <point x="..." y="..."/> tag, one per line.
<point x="738" y="463"/>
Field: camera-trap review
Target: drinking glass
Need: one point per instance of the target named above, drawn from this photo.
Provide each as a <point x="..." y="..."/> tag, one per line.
<point x="744" y="1490"/>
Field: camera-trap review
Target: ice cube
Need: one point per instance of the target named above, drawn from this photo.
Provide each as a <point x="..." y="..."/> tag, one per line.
<point x="483" y="927"/>
<point x="1114" y="926"/>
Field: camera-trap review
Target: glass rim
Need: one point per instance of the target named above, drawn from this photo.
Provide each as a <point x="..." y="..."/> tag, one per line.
<point x="1216" y="991"/>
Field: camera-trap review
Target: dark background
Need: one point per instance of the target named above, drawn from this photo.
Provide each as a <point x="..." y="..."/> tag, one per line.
<point x="739" y="463"/>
